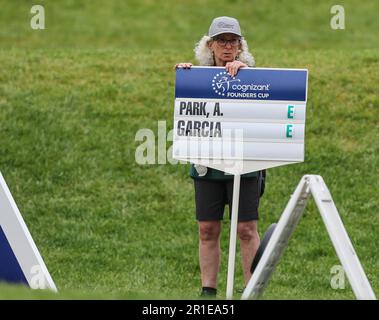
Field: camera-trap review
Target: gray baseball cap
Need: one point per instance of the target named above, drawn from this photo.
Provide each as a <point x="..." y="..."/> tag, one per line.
<point x="224" y="25"/>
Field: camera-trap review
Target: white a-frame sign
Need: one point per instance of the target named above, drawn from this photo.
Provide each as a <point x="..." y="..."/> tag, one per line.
<point x="315" y="185"/>
<point x="20" y="260"/>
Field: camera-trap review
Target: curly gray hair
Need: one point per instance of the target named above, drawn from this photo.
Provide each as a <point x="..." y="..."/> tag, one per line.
<point x="205" y="57"/>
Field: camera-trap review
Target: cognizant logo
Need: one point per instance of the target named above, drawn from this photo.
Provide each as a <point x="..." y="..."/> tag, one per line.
<point x="225" y="86"/>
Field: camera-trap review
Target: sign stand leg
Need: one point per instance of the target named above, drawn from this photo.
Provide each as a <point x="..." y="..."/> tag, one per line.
<point x="233" y="236"/>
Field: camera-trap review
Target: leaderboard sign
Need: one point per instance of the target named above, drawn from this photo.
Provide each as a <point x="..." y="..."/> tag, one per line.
<point x="257" y="117"/>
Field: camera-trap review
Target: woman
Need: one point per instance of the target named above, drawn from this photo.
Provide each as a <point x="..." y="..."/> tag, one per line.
<point x="224" y="46"/>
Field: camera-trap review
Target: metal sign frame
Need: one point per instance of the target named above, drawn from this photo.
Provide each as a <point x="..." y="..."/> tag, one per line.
<point x="310" y="185"/>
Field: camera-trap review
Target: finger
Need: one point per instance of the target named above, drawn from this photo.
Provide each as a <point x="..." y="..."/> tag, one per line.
<point x="230" y="68"/>
<point x="227" y="67"/>
<point x="233" y="70"/>
<point x="238" y="66"/>
<point x="236" y="70"/>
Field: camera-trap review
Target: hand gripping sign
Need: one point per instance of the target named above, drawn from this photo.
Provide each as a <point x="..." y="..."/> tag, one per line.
<point x="247" y="123"/>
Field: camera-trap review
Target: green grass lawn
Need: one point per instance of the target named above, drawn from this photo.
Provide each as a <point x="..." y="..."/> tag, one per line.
<point x="70" y="106"/>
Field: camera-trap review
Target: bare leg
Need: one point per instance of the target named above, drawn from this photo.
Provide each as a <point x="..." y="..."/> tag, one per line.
<point x="209" y="252"/>
<point x="249" y="243"/>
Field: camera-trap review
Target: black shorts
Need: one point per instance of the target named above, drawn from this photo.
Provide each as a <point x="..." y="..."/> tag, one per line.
<point x="211" y="197"/>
